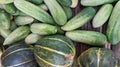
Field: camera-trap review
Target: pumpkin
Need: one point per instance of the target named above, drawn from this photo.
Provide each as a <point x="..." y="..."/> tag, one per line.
<point x="55" y="51"/>
<point x="18" y="55"/>
<point x="97" y="57"/>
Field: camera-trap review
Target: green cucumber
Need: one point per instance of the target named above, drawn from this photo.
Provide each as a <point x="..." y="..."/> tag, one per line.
<point x="34" y="11"/>
<point x="13" y="26"/>
<point x="4" y="20"/>
<point x="23" y="20"/>
<point x="114" y="25"/>
<point x="102" y="15"/>
<point x="80" y="19"/>
<point x="88" y="37"/>
<point x="96" y="2"/>
<point x="6" y="1"/>
<point x="74" y="3"/>
<point x="65" y="2"/>
<point x="4" y="32"/>
<point x="17" y="35"/>
<point x="36" y="1"/>
<point x="43" y="29"/>
<point x="44" y="7"/>
<point x="56" y="11"/>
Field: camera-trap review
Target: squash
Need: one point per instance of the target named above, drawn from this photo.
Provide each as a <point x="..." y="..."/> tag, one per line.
<point x="54" y="51"/>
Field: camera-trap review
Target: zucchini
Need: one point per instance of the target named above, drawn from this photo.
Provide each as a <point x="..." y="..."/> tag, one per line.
<point x="88" y="37"/>
<point x="33" y="11"/>
<point x="80" y="19"/>
<point x="65" y="2"/>
<point x="113" y="32"/>
<point x="17" y="35"/>
<point x="96" y="2"/>
<point x="56" y="11"/>
<point x="102" y="15"/>
<point x="43" y="29"/>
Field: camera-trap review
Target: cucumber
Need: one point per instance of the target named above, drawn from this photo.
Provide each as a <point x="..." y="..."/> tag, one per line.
<point x="68" y="12"/>
<point x="74" y="3"/>
<point x="96" y="2"/>
<point x="43" y="29"/>
<point x="102" y="15"/>
<point x="65" y="2"/>
<point x="44" y="7"/>
<point x="4" y="32"/>
<point x="13" y="26"/>
<point x="88" y="37"/>
<point x="17" y="35"/>
<point x="37" y="2"/>
<point x="33" y="11"/>
<point x="4" y="20"/>
<point x="56" y="11"/>
<point x="114" y="25"/>
<point x="6" y="1"/>
<point x="80" y="19"/>
<point x="23" y="20"/>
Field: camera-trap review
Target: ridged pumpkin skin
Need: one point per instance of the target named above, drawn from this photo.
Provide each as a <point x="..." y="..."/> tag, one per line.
<point x="18" y="55"/>
<point x="97" y="57"/>
<point x="55" y="51"/>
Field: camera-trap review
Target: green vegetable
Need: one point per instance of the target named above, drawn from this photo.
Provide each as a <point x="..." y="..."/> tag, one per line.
<point x="95" y="2"/>
<point x="65" y="2"/>
<point x="4" y="20"/>
<point x="4" y="32"/>
<point x="49" y="52"/>
<point x="13" y="26"/>
<point x="43" y="29"/>
<point x="34" y="11"/>
<point x="17" y="35"/>
<point x="80" y="19"/>
<point x="56" y="11"/>
<point x="44" y="7"/>
<point x="102" y="15"/>
<point x="87" y="37"/>
<point x="6" y="1"/>
<point x="97" y="57"/>
<point x="114" y="25"/>
<point x="23" y="20"/>
<point x="36" y="1"/>
<point x="74" y="3"/>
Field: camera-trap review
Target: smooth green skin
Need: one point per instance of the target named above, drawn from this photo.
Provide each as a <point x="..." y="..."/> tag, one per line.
<point x="55" y="42"/>
<point x="80" y="19"/>
<point x="17" y="35"/>
<point x="65" y="2"/>
<point x="36" y="1"/>
<point x="57" y="11"/>
<point x="35" y="12"/>
<point x="44" y="7"/>
<point x="88" y="37"/>
<point x="102" y="15"/>
<point x="95" y="2"/>
<point x="6" y="1"/>
<point x="43" y="29"/>
<point x="4" y="20"/>
<point x="68" y="12"/>
<point x="23" y="20"/>
<point x="97" y="57"/>
<point x="32" y="38"/>
<point x="10" y="8"/>
<point x="4" y="32"/>
<point x="114" y="25"/>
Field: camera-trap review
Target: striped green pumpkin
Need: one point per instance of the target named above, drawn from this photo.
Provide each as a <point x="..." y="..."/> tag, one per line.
<point x="97" y="57"/>
<point x="55" y="51"/>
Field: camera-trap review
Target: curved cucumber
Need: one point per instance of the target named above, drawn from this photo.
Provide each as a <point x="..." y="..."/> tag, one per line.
<point x="87" y="37"/>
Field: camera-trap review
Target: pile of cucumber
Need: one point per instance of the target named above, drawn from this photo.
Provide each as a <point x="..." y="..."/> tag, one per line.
<point x="45" y="31"/>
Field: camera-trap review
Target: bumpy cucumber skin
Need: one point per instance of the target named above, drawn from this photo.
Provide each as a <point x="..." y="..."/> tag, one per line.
<point x="88" y="37"/>
<point x="102" y="15"/>
<point x="65" y="2"/>
<point x="80" y="19"/>
<point x="34" y="11"/>
<point x="43" y="29"/>
<point x="56" y="11"/>
<point x="114" y="25"/>
<point x="95" y="2"/>
<point x="17" y="35"/>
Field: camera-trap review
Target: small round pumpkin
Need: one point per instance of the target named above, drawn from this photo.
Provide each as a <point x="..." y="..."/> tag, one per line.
<point x="97" y="57"/>
<point x="18" y="55"/>
<point x="55" y="51"/>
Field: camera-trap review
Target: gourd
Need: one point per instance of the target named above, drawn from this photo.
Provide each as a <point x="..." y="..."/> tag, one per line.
<point x="54" y="51"/>
<point x="18" y="55"/>
<point x="97" y="57"/>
